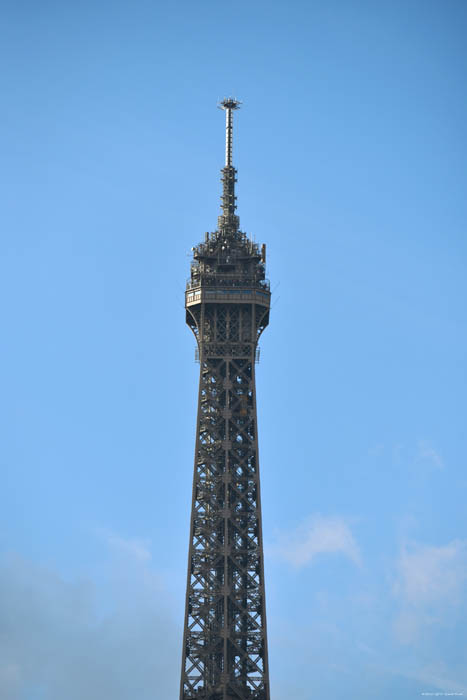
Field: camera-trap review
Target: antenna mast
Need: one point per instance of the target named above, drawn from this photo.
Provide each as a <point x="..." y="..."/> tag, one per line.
<point x="228" y="222"/>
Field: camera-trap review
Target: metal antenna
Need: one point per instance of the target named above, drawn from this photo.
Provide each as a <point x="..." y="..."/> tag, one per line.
<point x="228" y="220"/>
<point x="229" y="104"/>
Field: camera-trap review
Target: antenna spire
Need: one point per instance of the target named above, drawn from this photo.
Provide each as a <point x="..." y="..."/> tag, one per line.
<point x="228" y="222"/>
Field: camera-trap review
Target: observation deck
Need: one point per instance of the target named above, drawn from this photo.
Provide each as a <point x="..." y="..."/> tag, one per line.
<point x="198" y="295"/>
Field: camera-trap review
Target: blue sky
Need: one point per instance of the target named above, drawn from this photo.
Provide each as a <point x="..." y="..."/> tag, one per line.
<point x="351" y="151"/>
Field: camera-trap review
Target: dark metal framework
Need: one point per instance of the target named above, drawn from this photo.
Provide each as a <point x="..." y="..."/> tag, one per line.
<point x="227" y="307"/>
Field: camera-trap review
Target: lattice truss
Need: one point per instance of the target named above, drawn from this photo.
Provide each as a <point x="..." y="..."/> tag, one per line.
<point x="228" y="329"/>
<point x="225" y="645"/>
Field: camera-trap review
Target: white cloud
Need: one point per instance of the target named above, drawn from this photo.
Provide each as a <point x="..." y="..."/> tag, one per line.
<point x="57" y="643"/>
<point x="426" y="453"/>
<point x="421" y="455"/>
<point x="437" y="675"/>
<point x="10" y="679"/>
<point x="429" y="586"/>
<point x="408" y="623"/>
<point x="317" y="535"/>
<point x="137" y="548"/>
<point x="376" y="450"/>
<point x="429" y="574"/>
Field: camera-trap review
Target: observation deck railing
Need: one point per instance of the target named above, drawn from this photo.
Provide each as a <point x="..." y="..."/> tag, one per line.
<point x="256" y="295"/>
<point x="227" y="281"/>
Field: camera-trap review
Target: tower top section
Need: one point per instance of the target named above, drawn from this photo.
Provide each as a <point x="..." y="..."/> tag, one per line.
<point x="228" y="267"/>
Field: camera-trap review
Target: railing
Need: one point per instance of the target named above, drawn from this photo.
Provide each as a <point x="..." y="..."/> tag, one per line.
<point x="200" y="294"/>
<point x="226" y="281"/>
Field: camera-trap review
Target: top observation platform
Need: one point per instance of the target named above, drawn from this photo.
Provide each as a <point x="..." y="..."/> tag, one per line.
<point x="227" y="296"/>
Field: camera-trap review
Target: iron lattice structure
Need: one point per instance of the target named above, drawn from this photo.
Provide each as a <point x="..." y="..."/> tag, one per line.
<point x="227" y="307"/>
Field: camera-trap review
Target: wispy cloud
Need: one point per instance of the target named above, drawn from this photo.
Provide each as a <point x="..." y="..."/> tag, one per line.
<point x="318" y="534"/>
<point x="437" y="675"/>
<point x="137" y="548"/>
<point x="421" y="453"/>
<point x="133" y="547"/>
<point x="56" y="643"/>
<point x="428" y="574"/>
<point x="429" y="586"/>
<point x="10" y="678"/>
<point x="426" y="453"/>
<point x="376" y="450"/>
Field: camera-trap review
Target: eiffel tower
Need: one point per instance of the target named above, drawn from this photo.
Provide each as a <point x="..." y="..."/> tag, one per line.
<point x="225" y="654"/>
